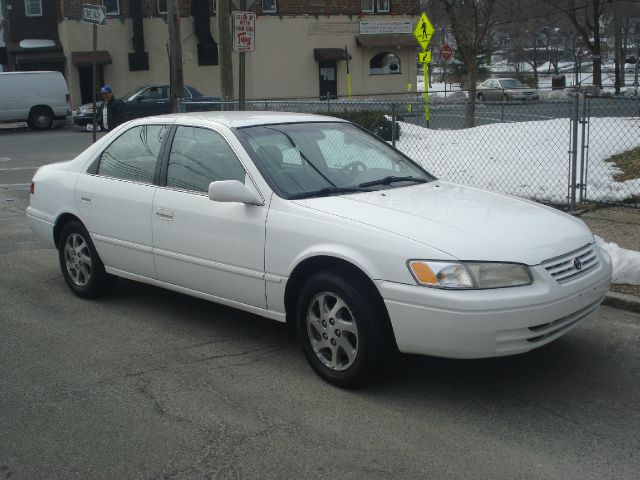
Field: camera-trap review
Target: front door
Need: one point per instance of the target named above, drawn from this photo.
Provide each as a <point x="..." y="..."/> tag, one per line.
<point x="328" y="79"/>
<point x="86" y="79"/>
<point x="211" y="247"/>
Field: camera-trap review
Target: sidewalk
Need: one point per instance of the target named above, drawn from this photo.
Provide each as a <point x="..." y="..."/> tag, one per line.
<point x="619" y="225"/>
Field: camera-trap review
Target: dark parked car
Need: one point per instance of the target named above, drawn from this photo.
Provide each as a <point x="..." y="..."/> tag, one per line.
<point x="147" y="100"/>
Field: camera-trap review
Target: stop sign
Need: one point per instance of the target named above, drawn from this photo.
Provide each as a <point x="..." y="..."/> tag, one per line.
<point x="446" y="52"/>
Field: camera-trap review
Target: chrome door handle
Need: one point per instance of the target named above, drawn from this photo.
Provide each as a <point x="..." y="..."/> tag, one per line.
<point x="165" y="213"/>
<point x="85" y="197"/>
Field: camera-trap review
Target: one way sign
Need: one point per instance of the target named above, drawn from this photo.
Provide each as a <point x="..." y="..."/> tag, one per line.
<point x="95" y="14"/>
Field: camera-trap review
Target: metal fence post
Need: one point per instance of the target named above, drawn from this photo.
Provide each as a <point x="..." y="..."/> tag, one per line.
<point x="574" y="151"/>
<point x="583" y="146"/>
<point x="504" y="99"/>
<point x="328" y="102"/>
<point x="393" y="124"/>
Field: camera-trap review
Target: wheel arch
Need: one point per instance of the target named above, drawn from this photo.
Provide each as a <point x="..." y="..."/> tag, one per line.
<point x="311" y="265"/>
<point x="59" y="224"/>
<point x="43" y="107"/>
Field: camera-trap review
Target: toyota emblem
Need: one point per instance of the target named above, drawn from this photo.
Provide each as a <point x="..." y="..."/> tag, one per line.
<point x="578" y="264"/>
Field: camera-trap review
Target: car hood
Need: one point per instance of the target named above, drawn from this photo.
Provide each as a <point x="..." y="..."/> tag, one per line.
<point x="464" y="222"/>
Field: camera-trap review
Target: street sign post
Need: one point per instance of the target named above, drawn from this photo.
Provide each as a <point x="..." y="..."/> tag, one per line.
<point x="95" y="15"/>
<point x="244" y="40"/>
<point x="423" y="32"/>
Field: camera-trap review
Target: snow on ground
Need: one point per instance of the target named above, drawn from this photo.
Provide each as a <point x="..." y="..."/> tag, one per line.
<point x="526" y="159"/>
<point x="626" y="263"/>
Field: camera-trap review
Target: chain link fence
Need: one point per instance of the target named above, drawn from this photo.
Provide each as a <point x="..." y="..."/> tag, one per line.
<point x="562" y="149"/>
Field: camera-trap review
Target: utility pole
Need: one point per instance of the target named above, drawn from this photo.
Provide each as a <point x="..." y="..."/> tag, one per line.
<point x="617" y="46"/>
<point x="224" y="49"/>
<point x="176" y="78"/>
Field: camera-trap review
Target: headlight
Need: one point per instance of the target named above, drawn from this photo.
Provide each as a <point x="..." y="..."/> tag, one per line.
<point x="87" y="109"/>
<point x="469" y="275"/>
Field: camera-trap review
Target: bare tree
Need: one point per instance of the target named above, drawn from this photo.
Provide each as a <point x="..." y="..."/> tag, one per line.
<point x="470" y="22"/>
<point x="585" y="15"/>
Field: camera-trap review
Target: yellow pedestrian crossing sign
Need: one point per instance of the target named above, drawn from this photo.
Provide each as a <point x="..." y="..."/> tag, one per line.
<point x="424" y="57"/>
<point x="424" y="31"/>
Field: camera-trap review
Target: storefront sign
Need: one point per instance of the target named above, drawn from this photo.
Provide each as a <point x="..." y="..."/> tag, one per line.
<point x="385" y="26"/>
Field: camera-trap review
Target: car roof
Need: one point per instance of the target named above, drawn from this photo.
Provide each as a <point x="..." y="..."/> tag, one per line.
<point x="235" y="119"/>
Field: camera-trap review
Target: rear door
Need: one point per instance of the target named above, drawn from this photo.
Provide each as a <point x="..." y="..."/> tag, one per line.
<point x="115" y="198"/>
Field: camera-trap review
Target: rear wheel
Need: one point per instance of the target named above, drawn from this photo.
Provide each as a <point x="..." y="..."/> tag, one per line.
<point x="81" y="266"/>
<point x="40" y="118"/>
<point x="342" y="328"/>
<point x="481" y="97"/>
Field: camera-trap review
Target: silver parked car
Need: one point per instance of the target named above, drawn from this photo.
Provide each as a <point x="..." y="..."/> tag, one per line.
<point x="505" y="89"/>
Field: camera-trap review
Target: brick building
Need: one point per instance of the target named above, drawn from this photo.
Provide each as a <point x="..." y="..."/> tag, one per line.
<point x="299" y="45"/>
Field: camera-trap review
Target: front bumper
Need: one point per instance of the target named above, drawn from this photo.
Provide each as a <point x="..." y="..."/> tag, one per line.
<point x="491" y="323"/>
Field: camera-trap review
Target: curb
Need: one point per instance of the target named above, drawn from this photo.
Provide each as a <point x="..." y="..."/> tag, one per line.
<point x="622" y="301"/>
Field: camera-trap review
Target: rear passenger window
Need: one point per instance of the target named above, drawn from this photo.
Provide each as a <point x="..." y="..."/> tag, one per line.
<point x="198" y="157"/>
<point x="133" y="155"/>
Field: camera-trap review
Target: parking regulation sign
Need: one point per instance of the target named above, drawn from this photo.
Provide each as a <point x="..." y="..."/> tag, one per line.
<point x="244" y="31"/>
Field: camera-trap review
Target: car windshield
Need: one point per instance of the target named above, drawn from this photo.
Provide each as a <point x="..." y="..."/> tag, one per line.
<point x="318" y="159"/>
<point x="511" y="83"/>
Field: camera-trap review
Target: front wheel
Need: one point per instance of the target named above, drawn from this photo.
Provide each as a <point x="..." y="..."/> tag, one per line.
<point x="81" y="266"/>
<point x="342" y="327"/>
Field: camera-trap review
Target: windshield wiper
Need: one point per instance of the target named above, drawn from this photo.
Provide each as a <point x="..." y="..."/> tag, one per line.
<point x="327" y="191"/>
<point x="391" y="179"/>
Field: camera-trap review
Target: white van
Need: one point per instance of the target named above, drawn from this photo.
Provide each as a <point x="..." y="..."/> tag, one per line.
<point x="37" y="98"/>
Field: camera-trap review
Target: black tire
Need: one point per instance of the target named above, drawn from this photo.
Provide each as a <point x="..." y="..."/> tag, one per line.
<point x="80" y="263"/>
<point x="40" y="118"/>
<point x="370" y="346"/>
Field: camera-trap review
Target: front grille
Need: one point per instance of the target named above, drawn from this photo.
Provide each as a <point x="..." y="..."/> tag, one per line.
<point x="572" y="265"/>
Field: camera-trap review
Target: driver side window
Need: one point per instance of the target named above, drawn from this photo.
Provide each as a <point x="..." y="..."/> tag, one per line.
<point x="200" y="156"/>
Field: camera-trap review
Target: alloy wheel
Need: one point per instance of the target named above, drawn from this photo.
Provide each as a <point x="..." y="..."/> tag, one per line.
<point x="77" y="256"/>
<point x="332" y="331"/>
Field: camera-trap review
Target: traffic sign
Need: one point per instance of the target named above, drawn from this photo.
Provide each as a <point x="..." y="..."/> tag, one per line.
<point x="95" y="14"/>
<point x="244" y="32"/>
<point x="424" y="57"/>
<point x="424" y="31"/>
<point x="446" y="52"/>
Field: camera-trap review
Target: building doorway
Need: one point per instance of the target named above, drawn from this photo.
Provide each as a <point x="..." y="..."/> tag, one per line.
<point x="328" y="79"/>
<point x="86" y="76"/>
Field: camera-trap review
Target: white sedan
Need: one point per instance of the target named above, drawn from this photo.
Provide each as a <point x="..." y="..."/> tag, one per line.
<point x="313" y="221"/>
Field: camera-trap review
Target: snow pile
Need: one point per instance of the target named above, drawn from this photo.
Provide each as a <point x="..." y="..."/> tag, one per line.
<point x="526" y="159"/>
<point x="626" y="263"/>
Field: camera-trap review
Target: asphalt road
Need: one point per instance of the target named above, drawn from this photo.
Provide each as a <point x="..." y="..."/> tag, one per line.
<point x="152" y="384"/>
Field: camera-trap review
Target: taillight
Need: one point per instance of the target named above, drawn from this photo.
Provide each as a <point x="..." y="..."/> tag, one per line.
<point x="68" y="98"/>
<point x="32" y="190"/>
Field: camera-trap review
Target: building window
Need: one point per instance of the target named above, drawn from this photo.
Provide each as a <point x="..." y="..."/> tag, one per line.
<point x="385" y="63"/>
<point x="33" y="8"/>
<point x="269" y="6"/>
<point x="376" y="6"/>
<point x="162" y="7"/>
<point x="112" y="6"/>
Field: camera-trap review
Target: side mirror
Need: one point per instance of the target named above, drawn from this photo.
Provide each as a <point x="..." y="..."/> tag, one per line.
<point x="139" y="98"/>
<point x="232" y="191"/>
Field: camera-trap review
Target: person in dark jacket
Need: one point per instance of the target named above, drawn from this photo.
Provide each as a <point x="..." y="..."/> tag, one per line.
<point x="112" y="113"/>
